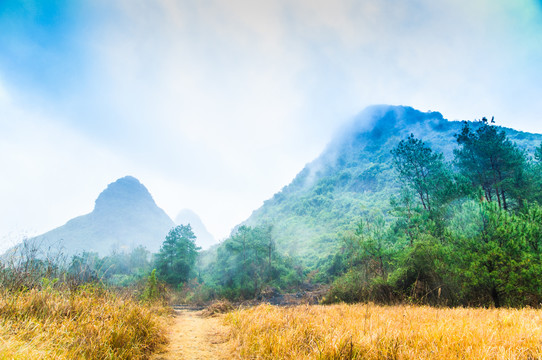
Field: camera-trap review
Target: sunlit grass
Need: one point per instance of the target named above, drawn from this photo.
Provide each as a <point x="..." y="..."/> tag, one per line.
<point x="381" y="332"/>
<point x="89" y="323"/>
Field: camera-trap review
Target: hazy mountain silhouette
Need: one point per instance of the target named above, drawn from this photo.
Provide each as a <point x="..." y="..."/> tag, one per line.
<point x="353" y="178"/>
<point x="204" y="238"/>
<point x="124" y="216"/>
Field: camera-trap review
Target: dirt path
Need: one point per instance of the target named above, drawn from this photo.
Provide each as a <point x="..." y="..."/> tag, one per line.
<point x="194" y="337"/>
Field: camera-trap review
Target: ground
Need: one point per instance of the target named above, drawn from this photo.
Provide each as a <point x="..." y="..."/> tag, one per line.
<point x="195" y="337"/>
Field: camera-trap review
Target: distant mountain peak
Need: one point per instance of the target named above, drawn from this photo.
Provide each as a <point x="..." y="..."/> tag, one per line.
<point x="123" y="192"/>
<point x="125" y="216"/>
<point x="381" y="120"/>
<point x="400" y="111"/>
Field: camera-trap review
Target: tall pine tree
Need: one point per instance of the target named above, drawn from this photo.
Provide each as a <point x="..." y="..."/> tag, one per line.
<point x="492" y="162"/>
<point x="177" y="256"/>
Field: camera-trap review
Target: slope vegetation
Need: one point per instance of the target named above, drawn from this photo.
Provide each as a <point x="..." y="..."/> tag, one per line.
<point x="354" y="178"/>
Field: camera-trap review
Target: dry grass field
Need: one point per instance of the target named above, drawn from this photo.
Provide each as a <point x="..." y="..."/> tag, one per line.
<point x="89" y="323"/>
<point x="385" y="332"/>
<point x="93" y="323"/>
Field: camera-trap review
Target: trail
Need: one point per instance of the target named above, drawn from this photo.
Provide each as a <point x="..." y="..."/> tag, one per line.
<point x="194" y="337"/>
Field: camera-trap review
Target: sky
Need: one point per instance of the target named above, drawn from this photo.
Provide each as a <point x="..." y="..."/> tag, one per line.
<point x="215" y="105"/>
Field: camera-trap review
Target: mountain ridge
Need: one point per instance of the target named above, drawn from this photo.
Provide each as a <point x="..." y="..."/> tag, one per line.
<point x="353" y="178"/>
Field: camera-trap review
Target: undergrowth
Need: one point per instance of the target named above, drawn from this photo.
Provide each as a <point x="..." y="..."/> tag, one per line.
<point x="90" y="322"/>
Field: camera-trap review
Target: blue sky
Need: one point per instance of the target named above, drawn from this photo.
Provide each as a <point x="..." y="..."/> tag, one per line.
<point x="215" y="105"/>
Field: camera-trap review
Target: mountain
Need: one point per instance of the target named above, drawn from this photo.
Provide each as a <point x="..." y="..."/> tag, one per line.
<point x="204" y="239"/>
<point x="124" y="216"/>
<point x="353" y="178"/>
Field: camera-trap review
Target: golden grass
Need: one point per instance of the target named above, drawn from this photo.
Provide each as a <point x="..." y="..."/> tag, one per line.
<point x="381" y="332"/>
<point x="89" y="323"/>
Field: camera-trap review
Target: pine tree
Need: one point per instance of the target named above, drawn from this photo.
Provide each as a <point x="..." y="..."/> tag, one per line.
<point x="177" y="256"/>
<point x="422" y="170"/>
<point x="491" y="161"/>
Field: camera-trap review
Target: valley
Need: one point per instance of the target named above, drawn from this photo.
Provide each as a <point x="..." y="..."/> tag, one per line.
<point x="261" y="180"/>
<point x="410" y="237"/>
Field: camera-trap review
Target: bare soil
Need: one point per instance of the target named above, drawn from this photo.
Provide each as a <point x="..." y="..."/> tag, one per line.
<point x="195" y="337"/>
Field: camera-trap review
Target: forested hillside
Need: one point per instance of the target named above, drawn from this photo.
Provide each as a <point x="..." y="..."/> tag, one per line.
<point x="401" y="206"/>
<point x="354" y="178"/>
<point x="462" y="233"/>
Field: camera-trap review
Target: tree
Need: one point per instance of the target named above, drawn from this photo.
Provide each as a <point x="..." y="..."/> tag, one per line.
<point x="246" y="259"/>
<point x="248" y="262"/>
<point x="177" y="256"/>
<point x="367" y="248"/>
<point x="535" y="175"/>
<point x="86" y="267"/>
<point x="420" y="270"/>
<point x="491" y="161"/>
<point x="538" y="154"/>
<point x="151" y="287"/>
<point x="501" y="261"/>
<point x="422" y="170"/>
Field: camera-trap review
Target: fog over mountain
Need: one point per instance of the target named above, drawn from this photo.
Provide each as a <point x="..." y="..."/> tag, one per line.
<point x="124" y="216"/>
<point x="204" y="238"/>
<point x="353" y="178"/>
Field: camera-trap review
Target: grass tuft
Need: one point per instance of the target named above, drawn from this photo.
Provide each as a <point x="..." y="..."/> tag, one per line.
<point x="218" y="307"/>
